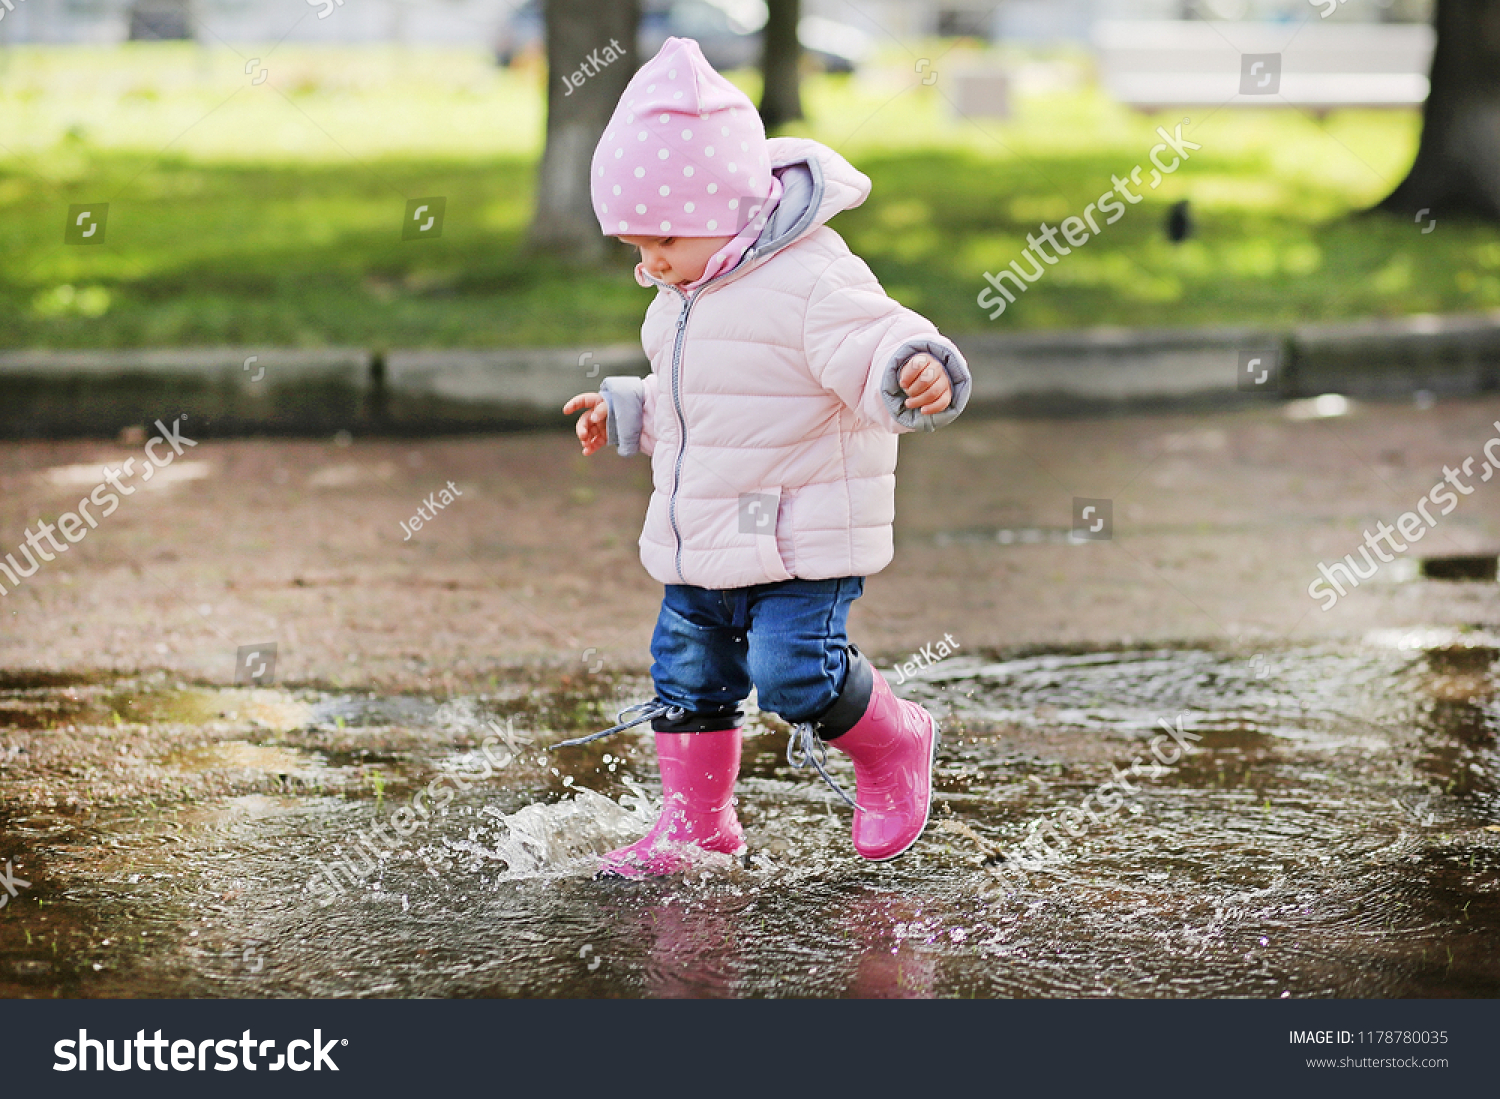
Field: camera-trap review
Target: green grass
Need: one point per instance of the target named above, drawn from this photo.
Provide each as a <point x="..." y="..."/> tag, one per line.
<point x="270" y="214"/>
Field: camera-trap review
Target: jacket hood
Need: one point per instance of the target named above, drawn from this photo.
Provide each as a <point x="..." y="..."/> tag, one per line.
<point x="817" y="183"/>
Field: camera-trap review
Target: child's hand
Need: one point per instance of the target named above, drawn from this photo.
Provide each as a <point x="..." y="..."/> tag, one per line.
<point x="926" y="384"/>
<point x="592" y="432"/>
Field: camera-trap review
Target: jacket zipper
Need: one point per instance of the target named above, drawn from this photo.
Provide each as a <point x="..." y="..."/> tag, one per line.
<point x="682" y="319"/>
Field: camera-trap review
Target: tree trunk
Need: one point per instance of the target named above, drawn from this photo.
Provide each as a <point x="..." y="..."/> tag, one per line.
<point x="577" y="32"/>
<point x="1457" y="170"/>
<point x="781" y="64"/>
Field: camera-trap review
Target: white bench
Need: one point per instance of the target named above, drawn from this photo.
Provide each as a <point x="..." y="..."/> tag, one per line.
<point x="1153" y="64"/>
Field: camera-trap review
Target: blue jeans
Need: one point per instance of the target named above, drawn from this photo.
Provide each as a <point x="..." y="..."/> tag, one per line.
<point x="789" y="639"/>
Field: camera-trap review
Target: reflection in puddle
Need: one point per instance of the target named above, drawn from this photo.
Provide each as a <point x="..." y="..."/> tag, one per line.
<point x="1334" y="831"/>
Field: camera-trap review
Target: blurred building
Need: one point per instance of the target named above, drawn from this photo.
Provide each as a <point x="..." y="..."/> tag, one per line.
<point x="1039" y="21"/>
<point x="108" y="21"/>
<point x="471" y="21"/>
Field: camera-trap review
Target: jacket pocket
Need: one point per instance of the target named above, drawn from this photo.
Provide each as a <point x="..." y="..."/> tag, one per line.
<point x="786" y="532"/>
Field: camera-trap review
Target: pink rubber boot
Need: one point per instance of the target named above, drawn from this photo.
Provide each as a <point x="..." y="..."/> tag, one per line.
<point x="698" y="771"/>
<point x="893" y="747"/>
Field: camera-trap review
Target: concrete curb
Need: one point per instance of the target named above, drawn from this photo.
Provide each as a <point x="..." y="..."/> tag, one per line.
<point x="1103" y="368"/>
<point x="238" y="391"/>
<point x="1448" y="356"/>
<point x="62" y="393"/>
<point x="480" y="390"/>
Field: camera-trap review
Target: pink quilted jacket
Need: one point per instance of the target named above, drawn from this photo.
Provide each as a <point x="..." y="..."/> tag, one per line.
<point x="772" y="407"/>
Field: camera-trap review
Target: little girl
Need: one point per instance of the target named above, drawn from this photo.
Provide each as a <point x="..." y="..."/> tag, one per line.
<point x="781" y="374"/>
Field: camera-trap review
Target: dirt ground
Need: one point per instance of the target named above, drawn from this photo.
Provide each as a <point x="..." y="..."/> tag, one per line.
<point x="1220" y="521"/>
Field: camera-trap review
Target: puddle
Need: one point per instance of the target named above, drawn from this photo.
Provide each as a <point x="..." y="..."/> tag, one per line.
<point x="1008" y="536"/>
<point x="347" y="474"/>
<point x="1334" y="830"/>
<point x="80" y="476"/>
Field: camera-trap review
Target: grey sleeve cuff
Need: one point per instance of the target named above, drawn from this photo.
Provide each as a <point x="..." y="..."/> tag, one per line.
<point x="958" y="376"/>
<point x="626" y="398"/>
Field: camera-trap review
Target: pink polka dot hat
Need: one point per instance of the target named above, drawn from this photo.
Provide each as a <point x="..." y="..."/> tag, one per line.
<point x="684" y="154"/>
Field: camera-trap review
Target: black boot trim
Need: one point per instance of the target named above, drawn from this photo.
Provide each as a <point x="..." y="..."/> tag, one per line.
<point x="699" y="723"/>
<point x="852" y="701"/>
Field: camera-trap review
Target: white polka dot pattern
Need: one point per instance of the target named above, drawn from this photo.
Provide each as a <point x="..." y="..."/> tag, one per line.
<point x="650" y="195"/>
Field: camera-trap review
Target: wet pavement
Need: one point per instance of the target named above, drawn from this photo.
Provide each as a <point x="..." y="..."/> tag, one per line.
<point x="1164" y="771"/>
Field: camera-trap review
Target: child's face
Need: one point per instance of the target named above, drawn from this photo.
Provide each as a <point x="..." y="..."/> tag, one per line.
<point x="676" y="260"/>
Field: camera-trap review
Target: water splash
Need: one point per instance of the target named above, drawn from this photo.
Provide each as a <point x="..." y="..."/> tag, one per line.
<point x="563" y="838"/>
